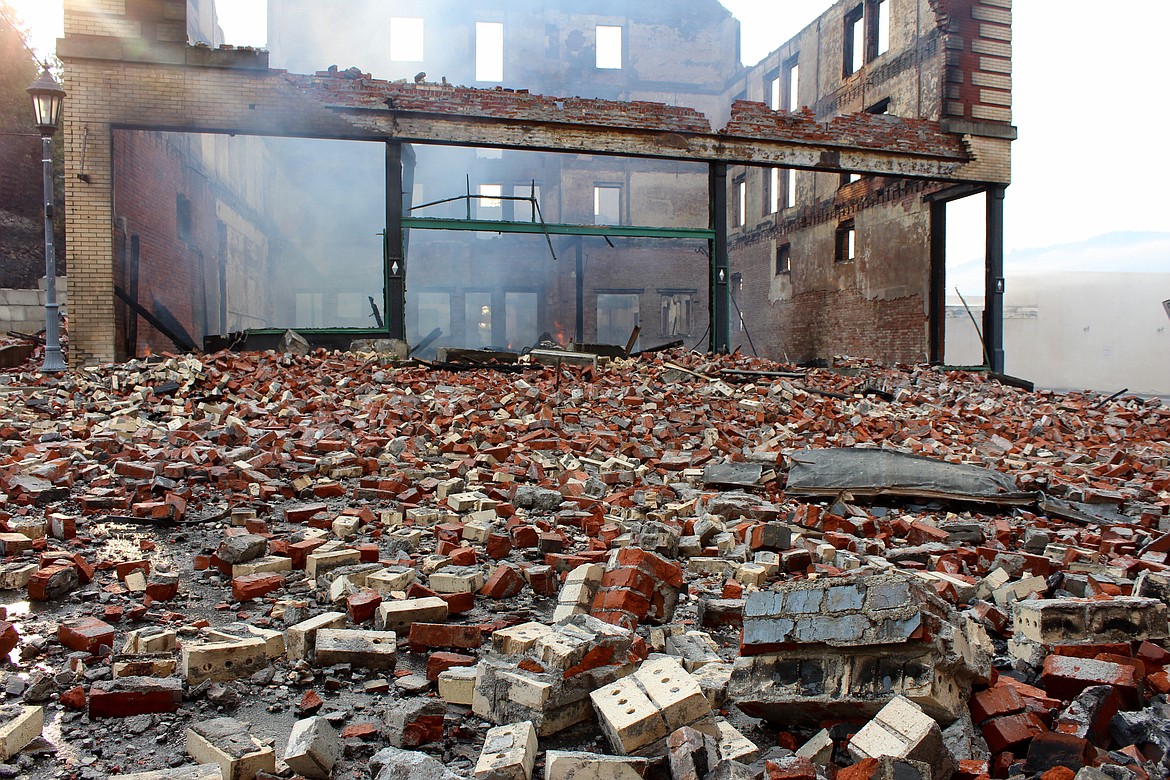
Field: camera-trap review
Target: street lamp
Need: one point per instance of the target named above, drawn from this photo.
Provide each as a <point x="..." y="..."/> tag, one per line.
<point x="48" y="98"/>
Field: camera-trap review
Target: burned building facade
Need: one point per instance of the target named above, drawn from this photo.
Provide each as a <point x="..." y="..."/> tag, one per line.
<point x="578" y="185"/>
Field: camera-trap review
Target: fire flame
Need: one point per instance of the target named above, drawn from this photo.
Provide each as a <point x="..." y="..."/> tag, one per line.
<point x="559" y="334"/>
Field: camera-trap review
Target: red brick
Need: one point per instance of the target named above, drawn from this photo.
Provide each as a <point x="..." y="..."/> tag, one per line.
<point x="254" y="586"/>
<point x="525" y="536"/>
<point x="504" y="583"/>
<point x="1151" y="653"/>
<point x="45" y="581"/>
<point x="302" y="512"/>
<point x="458" y="603"/>
<point x="310" y="703"/>
<point x="463" y="556"/>
<point x="542" y="580"/>
<point x="799" y="768"/>
<point x="131" y="696"/>
<point x="364" y="731"/>
<point x="9" y="639"/>
<point x="299" y="551"/>
<point x="162" y="591"/>
<point x="361" y="606"/>
<point x="86" y="635"/>
<point x="440" y="662"/>
<point x="994" y="702"/>
<point x="427" y="635"/>
<point x="1065" y="677"/>
<point x="73" y="698"/>
<point x="126" y="567"/>
<point x="1011" y="731"/>
<point x="498" y="546"/>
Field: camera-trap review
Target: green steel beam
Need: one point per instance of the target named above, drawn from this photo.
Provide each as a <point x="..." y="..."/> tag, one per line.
<point x="498" y="226"/>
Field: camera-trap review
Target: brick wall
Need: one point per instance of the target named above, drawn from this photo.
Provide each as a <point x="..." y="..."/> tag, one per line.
<point x="979" y="60"/>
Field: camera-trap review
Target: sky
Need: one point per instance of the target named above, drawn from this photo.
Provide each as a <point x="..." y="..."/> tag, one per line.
<point x="1088" y="105"/>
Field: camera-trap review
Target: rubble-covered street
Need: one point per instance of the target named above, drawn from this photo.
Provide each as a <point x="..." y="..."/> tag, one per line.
<point x="675" y="566"/>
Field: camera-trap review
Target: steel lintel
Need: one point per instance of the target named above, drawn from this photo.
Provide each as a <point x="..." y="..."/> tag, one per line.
<point x="447" y="129"/>
<point x="538" y="228"/>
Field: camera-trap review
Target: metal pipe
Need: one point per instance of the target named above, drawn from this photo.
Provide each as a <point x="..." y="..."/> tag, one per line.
<point x="54" y="362"/>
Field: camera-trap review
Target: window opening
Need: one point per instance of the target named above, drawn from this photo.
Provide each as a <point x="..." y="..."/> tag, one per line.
<point x="489" y="51"/>
<point x="406" y="39"/>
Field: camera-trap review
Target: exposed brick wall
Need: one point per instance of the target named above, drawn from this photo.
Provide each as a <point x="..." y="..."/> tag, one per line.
<point x="151" y="177"/>
<point x="979" y="60"/>
<point x="360" y="90"/>
<point x="874" y="306"/>
<point x="860" y="131"/>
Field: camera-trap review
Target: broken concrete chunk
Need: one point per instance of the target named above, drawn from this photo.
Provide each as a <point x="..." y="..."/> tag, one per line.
<point x="1067" y="621"/>
<point x="313" y="748"/>
<point x="241" y="549"/>
<point x="838" y="646"/>
<point x="397" y="764"/>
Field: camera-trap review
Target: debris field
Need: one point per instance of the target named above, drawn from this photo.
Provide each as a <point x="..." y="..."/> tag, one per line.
<point x="339" y="565"/>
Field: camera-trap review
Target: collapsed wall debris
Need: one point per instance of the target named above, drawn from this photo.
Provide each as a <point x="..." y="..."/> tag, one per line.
<point x="837" y="647"/>
<point x="336" y="566"/>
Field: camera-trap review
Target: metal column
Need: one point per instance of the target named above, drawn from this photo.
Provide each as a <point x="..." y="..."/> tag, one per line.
<point x="395" y="256"/>
<point x="938" y="282"/>
<point x="579" y="278"/>
<point x="720" y="267"/>
<point x="993" y="305"/>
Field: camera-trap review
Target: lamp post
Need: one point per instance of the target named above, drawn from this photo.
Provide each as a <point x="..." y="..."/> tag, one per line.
<point x="48" y="98"/>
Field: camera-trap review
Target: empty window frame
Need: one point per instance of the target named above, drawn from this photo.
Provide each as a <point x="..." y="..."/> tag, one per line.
<point x="879" y="34"/>
<point x="775" y="86"/>
<point x="775" y="186"/>
<point x="848" y="178"/>
<point x="783" y="258"/>
<point x="846" y="250"/>
<point x="880" y="107"/>
<point x="183" y="218"/>
<point x="477" y="309"/>
<point x="489" y="51"/>
<point x="607" y="204"/>
<point x="522" y="210"/>
<point x="677" y="313"/>
<point x="740" y="204"/>
<point x="521" y="311"/>
<point x="489" y="205"/>
<point x="854" y="40"/>
<point x="406" y="39"/>
<point x="617" y="316"/>
<point x="609" y="47"/>
<point x="790" y="189"/>
<point x="791" y="99"/>
<point x="434" y="311"/>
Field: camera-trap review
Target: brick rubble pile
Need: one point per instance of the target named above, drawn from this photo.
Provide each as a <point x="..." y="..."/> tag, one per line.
<point x="336" y="566"/>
